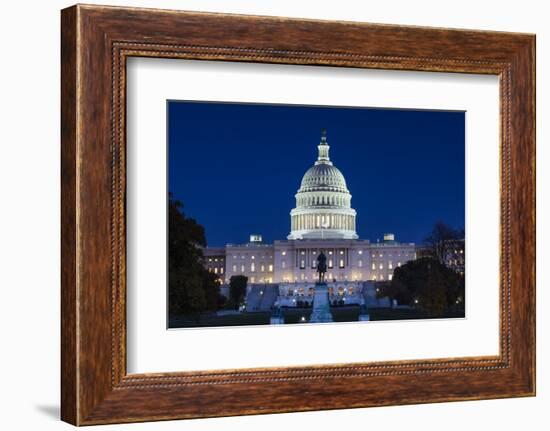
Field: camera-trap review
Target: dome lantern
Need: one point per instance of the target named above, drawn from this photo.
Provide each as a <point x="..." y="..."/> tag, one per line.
<point x="323" y="149"/>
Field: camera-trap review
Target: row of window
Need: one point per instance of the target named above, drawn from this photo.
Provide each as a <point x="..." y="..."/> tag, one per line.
<point x="381" y="277"/>
<point x="253" y="267"/>
<point x="216" y="270"/>
<point x="341" y="264"/>
<point x="340" y="200"/>
<point x="373" y="255"/>
<point x="253" y="256"/>
<point x="381" y="265"/>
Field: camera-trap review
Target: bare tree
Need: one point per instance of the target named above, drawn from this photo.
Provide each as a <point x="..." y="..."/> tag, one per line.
<point x="442" y="240"/>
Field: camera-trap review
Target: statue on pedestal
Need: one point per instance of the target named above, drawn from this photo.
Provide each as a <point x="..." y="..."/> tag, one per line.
<point x="321" y="266"/>
<point x="321" y="305"/>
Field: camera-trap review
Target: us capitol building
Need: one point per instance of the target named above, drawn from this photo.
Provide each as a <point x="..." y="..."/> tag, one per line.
<point x="323" y="220"/>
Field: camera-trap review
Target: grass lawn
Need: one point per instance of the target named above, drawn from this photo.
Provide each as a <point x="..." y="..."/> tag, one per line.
<point x="259" y="318"/>
<point x="294" y="315"/>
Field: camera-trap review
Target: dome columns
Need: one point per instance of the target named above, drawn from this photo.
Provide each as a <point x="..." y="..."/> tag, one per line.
<point x="323" y="223"/>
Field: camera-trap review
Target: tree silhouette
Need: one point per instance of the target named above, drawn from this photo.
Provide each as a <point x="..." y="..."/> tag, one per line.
<point x="237" y="289"/>
<point x="427" y="284"/>
<point x="441" y="240"/>
<point x="191" y="287"/>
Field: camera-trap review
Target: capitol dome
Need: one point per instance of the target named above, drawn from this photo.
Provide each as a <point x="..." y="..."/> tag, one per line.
<point x="323" y="177"/>
<point x="323" y="202"/>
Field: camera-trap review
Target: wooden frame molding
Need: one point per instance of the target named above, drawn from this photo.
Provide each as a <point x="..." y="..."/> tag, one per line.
<point x="95" y="43"/>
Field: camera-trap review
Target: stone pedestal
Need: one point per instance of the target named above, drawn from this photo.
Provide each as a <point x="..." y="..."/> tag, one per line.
<point x="364" y="313"/>
<point x="321" y="305"/>
<point x="277" y="320"/>
<point x="277" y="317"/>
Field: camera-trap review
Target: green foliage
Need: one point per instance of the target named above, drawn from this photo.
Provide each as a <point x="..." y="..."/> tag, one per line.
<point x="191" y="287"/>
<point x="237" y="289"/>
<point x="426" y="284"/>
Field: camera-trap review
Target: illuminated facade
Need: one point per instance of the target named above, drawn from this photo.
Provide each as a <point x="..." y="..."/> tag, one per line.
<point x="323" y="220"/>
<point x="295" y="260"/>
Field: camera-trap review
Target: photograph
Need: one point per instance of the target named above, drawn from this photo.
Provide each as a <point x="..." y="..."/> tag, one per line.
<point x="303" y="214"/>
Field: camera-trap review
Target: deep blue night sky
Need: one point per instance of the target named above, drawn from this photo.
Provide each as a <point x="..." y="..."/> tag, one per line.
<point x="236" y="167"/>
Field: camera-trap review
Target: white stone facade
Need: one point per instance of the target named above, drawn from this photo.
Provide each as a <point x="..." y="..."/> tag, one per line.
<point x="293" y="261"/>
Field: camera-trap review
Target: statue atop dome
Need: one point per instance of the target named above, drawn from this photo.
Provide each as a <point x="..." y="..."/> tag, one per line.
<point x="323" y="149"/>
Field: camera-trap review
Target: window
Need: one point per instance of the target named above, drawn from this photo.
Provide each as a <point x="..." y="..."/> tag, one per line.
<point x="341" y="251"/>
<point x="302" y="264"/>
<point x="253" y="257"/>
<point x="398" y="263"/>
<point x="283" y="264"/>
<point x="360" y="251"/>
<point x="330" y="264"/>
<point x="221" y="270"/>
<point x="341" y="263"/>
<point x="360" y="263"/>
<point x="270" y="268"/>
<point x="390" y="265"/>
<point x="252" y="279"/>
<point x="373" y="265"/>
<point x="252" y="267"/>
<point x="234" y="268"/>
<point x="242" y="268"/>
<point x="283" y="253"/>
<point x="381" y="266"/>
<point x="390" y="277"/>
<point x="262" y="268"/>
<point x="381" y="276"/>
<point x="215" y="270"/>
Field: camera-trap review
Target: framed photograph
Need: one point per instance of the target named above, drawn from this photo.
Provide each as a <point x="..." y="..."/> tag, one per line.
<point x="324" y="214"/>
